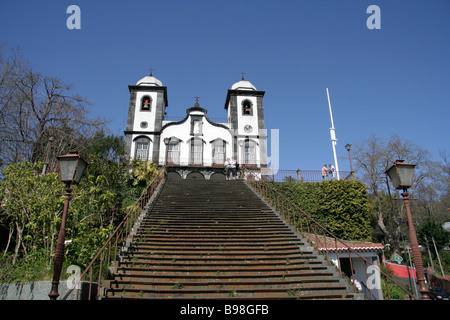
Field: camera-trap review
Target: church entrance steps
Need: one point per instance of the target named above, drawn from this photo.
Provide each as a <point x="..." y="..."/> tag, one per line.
<point x="217" y="239"/>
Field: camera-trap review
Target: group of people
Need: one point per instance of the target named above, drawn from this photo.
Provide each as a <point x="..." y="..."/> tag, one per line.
<point x="326" y="171"/>
<point x="231" y="168"/>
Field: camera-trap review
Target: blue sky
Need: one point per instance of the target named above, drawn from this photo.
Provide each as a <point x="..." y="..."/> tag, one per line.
<point x="394" y="80"/>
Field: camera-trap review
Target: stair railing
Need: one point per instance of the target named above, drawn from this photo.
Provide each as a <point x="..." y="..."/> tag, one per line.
<point x="316" y="234"/>
<point x="108" y="253"/>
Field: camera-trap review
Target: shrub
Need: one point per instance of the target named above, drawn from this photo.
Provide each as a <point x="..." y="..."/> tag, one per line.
<point x="340" y="206"/>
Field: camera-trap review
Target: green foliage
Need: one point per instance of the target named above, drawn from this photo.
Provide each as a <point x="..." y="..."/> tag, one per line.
<point x="431" y="229"/>
<point x="33" y="267"/>
<point x="143" y="172"/>
<point x="31" y="206"/>
<point x="340" y="206"/>
<point x="395" y="292"/>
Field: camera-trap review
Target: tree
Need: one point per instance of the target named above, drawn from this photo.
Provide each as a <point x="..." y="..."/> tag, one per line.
<point x="31" y="203"/>
<point x="431" y="229"/>
<point x="30" y="207"/>
<point x="34" y="107"/>
<point x="372" y="158"/>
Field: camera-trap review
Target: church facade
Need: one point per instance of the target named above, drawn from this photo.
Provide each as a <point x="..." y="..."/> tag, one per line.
<point x="196" y="147"/>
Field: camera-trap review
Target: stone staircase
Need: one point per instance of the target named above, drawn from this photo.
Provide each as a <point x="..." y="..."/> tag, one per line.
<point x="204" y="239"/>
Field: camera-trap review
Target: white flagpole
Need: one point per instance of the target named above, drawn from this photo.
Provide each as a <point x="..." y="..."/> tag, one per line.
<point x="333" y="137"/>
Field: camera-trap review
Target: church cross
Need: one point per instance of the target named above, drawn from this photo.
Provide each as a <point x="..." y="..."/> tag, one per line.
<point x="242" y="75"/>
<point x="197" y="98"/>
<point x="151" y="72"/>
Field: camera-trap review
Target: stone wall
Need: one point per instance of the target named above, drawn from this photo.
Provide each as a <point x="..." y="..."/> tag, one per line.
<point x="39" y="290"/>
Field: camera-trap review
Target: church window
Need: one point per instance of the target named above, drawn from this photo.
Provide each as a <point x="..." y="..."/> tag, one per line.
<point x="142" y="147"/>
<point x="219" y="152"/>
<point x="173" y="153"/>
<point x="142" y="151"/>
<point x="250" y="152"/>
<point x="146" y="103"/>
<point x="196" y="152"/>
<point x="247" y="108"/>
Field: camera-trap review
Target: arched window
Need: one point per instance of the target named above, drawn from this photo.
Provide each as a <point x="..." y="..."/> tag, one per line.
<point x="196" y="152"/>
<point x="142" y="145"/>
<point x="218" y="151"/>
<point x="247" y="108"/>
<point x="173" y="151"/>
<point x="146" y="103"/>
<point x="250" y="153"/>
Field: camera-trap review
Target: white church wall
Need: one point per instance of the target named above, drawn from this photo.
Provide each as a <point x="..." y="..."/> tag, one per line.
<point x="211" y="133"/>
<point x="179" y="132"/>
<point x="208" y="134"/>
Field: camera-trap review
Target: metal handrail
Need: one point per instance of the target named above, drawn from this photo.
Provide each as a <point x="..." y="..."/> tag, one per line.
<point x="282" y="204"/>
<point x="120" y="234"/>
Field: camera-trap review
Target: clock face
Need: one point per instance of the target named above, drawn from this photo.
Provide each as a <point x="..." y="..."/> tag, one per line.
<point x="248" y="128"/>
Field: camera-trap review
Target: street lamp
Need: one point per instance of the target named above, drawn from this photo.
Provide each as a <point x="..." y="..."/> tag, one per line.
<point x="401" y="175"/>
<point x="348" y="147"/>
<point x="71" y="168"/>
<point x="44" y="168"/>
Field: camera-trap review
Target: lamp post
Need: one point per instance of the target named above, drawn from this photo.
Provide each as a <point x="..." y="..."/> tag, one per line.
<point x="348" y="146"/>
<point x="401" y="175"/>
<point x="44" y="168"/>
<point x="71" y="168"/>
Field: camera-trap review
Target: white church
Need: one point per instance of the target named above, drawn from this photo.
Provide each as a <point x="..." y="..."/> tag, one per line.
<point x="196" y="147"/>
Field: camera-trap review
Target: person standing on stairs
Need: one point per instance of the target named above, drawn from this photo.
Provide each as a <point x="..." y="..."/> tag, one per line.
<point x="233" y="169"/>
<point x="227" y="168"/>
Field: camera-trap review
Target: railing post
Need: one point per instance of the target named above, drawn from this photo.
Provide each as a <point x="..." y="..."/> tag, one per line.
<point x="337" y="257"/>
<point x="351" y="270"/>
<point x="387" y="288"/>
<point x="367" y="279"/>
<point x="90" y="284"/>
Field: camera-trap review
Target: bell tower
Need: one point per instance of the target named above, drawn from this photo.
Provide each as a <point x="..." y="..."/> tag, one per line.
<point x="148" y="103"/>
<point x="245" y="113"/>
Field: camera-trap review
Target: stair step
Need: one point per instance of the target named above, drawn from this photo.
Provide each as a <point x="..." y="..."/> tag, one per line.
<point x="229" y="284"/>
<point x="217" y="240"/>
<point x="226" y="293"/>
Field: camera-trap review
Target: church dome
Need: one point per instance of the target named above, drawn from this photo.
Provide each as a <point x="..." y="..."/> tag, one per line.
<point x="149" y="81"/>
<point x="243" y="85"/>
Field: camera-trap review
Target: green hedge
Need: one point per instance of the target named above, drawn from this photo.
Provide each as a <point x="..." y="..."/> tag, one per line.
<point x="340" y="206"/>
